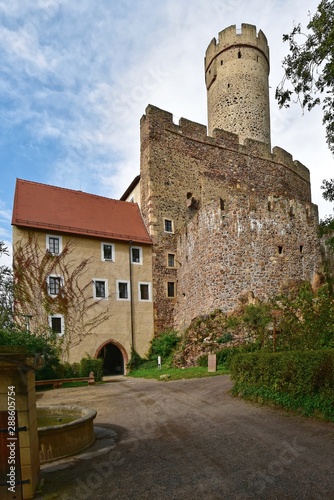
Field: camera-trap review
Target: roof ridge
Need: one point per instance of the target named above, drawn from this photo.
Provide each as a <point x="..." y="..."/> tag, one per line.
<point x="77" y="191"/>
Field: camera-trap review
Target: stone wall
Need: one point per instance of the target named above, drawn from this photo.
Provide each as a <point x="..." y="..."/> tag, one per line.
<point x="227" y="254"/>
<point x="221" y="194"/>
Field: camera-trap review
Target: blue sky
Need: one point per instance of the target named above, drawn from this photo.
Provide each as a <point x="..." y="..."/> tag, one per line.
<point x="77" y="75"/>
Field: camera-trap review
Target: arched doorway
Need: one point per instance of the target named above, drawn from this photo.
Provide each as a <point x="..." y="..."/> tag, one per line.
<point x="114" y="358"/>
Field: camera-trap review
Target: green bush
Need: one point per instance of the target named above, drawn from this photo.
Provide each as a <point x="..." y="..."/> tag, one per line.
<point x="88" y="365"/>
<point x="295" y="380"/>
<point x="226" y="337"/>
<point x="163" y="345"/>
<point x="68" y="370"/>
<point x="135" y="361"/>
<point x="35" y="344"/>
<point x="202" y="360"/>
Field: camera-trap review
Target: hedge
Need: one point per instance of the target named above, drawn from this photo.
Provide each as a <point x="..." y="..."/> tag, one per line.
<point x="296" y="380"/>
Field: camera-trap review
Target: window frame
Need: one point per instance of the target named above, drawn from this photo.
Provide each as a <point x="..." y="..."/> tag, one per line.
<point x="61" y="282"/>
<point x="62" y="324"/>
<point x="140" y="255"/>
<point x="106" y="294"/>
<point x="166" y="220"/>
<point x="112" y="245"/>
<point x="127" y="282"/>
<point x="174" y="290"/>
<point x="174" y="255"/>
<point x="60" y="243"/>
<point x="149" y="285"/>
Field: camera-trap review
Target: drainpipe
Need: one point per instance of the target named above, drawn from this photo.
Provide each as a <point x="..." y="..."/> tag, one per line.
<point x="131" y="297"/>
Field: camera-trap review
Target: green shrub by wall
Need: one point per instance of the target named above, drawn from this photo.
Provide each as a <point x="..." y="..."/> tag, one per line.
<point x="295" y="380"/>
<point x="88" y="365"/>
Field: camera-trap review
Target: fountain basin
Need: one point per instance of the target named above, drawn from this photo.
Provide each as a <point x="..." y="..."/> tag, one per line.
<point x="64" y="431"/>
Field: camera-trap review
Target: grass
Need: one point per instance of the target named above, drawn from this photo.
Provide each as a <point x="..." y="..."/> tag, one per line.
<point x="177" y="373"/>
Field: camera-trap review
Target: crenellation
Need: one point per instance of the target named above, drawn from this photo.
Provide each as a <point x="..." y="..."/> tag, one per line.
<point x="257" y="148"/>
<point x="224" y="137"/>
<point x="301" y="170"/>
<point x="195" y="130"/>
<point x="282" y="156"/>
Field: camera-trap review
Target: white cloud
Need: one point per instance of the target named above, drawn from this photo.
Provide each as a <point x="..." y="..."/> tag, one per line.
<point x="79" y="75"/>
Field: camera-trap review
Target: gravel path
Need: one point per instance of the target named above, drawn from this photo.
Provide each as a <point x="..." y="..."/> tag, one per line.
<point x="189" y="439"/>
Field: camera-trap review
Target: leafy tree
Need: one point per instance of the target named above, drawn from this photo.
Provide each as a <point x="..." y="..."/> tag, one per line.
<point x="307" y="318"/>
<point x="328" y="187"/>
<point x="256" y="318"/>
<point x="32" y="266"/>
<point x="46" y="345"/>
<point x="6" y="292"/>
<point x="327" y="224"/>
<point x="309" y="67"/>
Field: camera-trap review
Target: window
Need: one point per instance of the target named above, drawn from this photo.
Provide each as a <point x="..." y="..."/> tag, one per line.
<point x="123" y="290"/>
<point x="171" y="259"/>
<point x="56" y="323"/>
<point x="170" y="289"/>
<point x="54" y="244"/>
<point x="54" y="284"/>
<point x="168" y="226"/>
<point x="100" y="289"/>
<point x="136" y="255"/>
<point x="108" y="251"/>
<point x="144" y="290"/>
<point x="280" y="250"/>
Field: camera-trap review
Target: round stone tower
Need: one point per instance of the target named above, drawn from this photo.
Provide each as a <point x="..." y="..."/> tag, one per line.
<point x="236" y="75"/>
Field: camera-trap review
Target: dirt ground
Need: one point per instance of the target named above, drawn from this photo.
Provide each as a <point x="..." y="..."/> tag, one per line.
<point x="190" y="439"/>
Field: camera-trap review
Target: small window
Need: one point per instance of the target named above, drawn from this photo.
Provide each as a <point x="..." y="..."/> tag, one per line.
<point x="301" y="248"/>
<point x="144" y="292"/>
<point x="123" y="290"/>
<point x="136" y="255"/>
<point x="280" y="250"/>
<point x="56" y="323"/>
<point x="170" y="289"/>
<point x="168" y="225"/>
<point x="54" y="244"/>
<point x="54" y="284"/>
<point x="100" y="289"/>
<point x="108" y="252"/>
<point x="171" y="260"/>
<point x="239" y="54"/>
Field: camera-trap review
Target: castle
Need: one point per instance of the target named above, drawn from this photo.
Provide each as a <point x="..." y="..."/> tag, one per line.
<point x="228" y="219"/>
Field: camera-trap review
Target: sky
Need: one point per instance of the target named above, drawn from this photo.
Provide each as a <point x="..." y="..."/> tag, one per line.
<point x="77" y="75"/>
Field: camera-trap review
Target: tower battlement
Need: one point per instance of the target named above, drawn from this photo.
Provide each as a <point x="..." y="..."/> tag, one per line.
<point x="231" y="36"/>
<point x="236" y="77"/>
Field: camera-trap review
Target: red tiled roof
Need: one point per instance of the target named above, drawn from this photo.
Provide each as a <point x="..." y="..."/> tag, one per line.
<point x="40" y="206"/>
